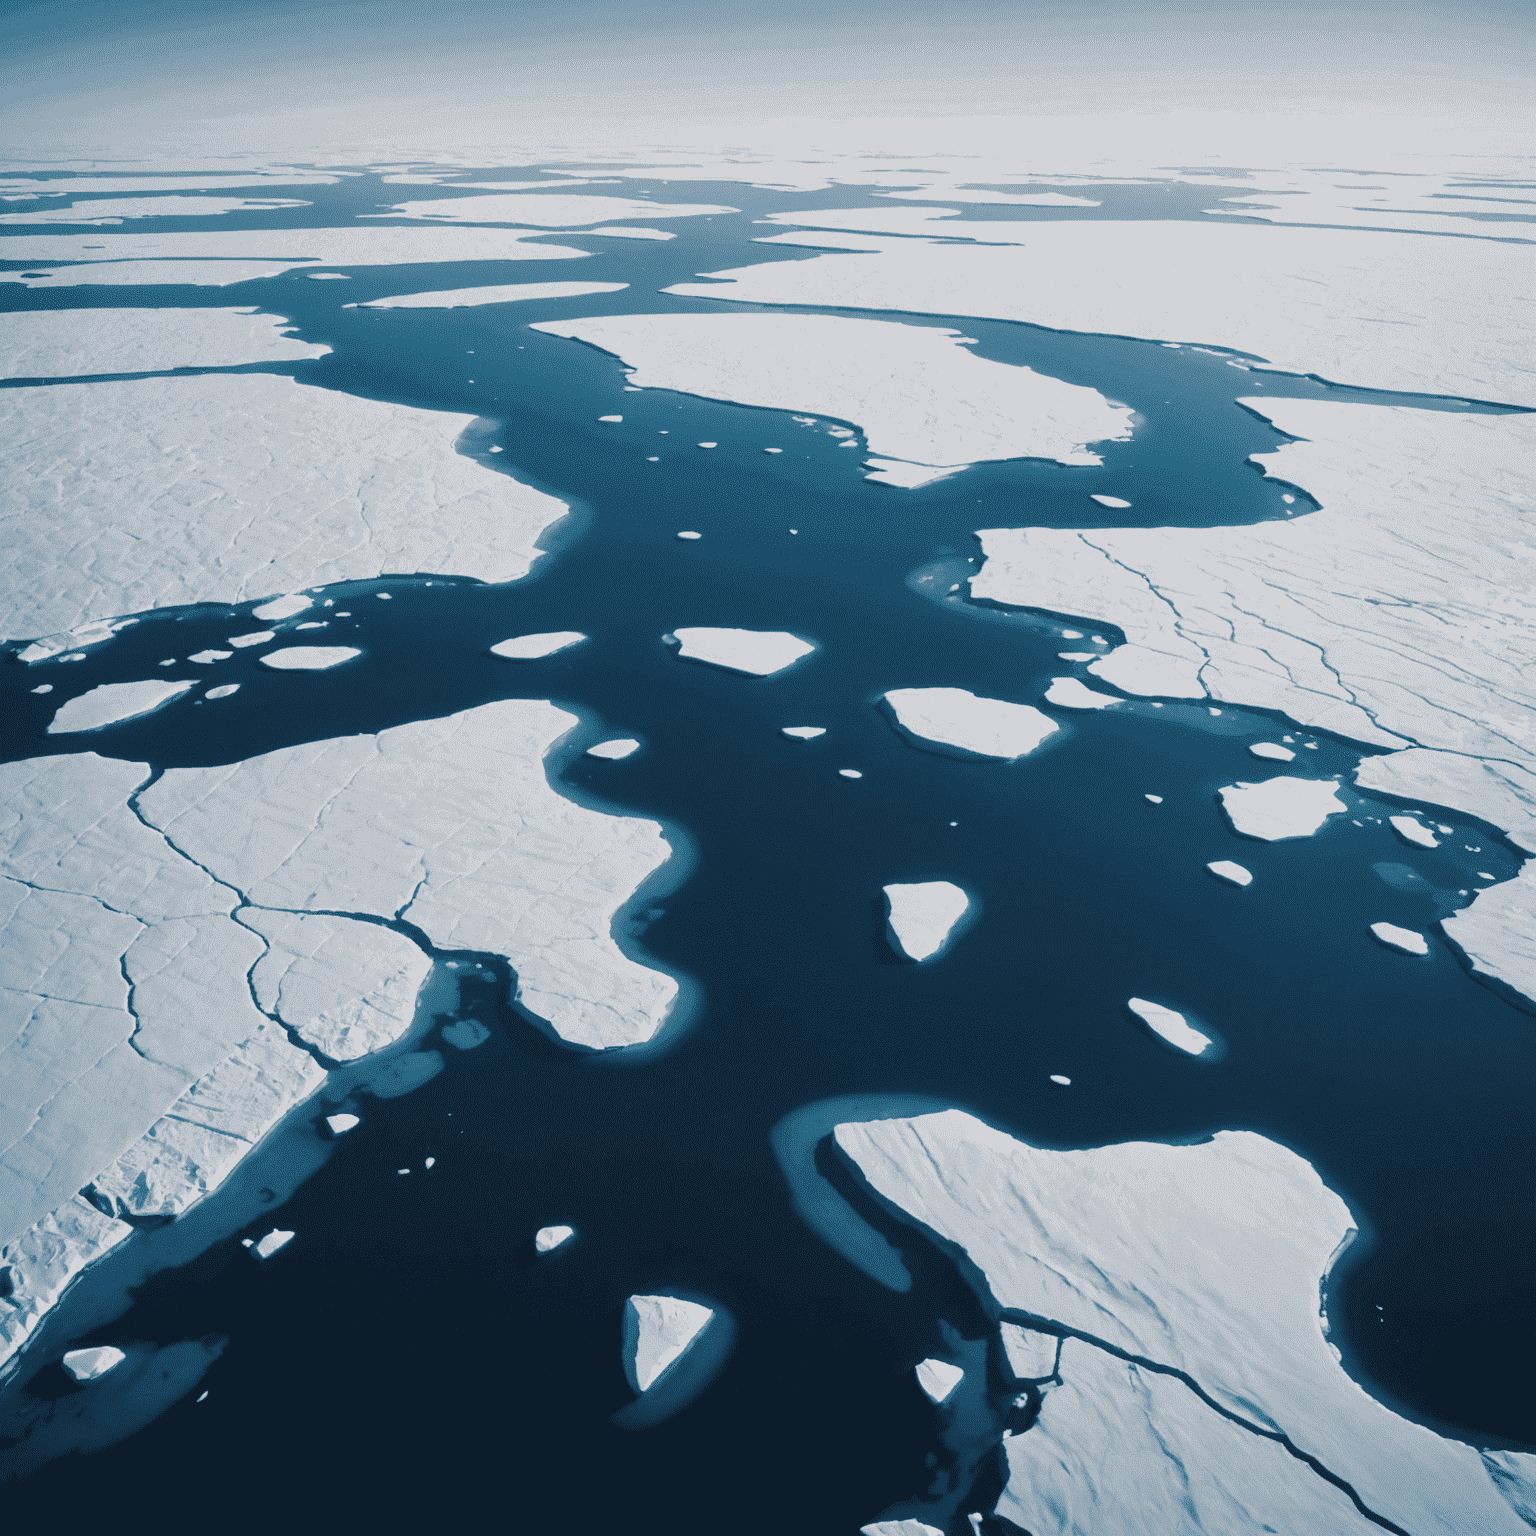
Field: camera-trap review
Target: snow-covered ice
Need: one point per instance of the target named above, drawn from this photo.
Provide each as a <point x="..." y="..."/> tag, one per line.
<point x="938" y="1378"/>
<point x="921" y="916"/>
<point x="109" y="210"/>
<point x="88" y="1364"/>
<point x="657" y="1330"/>
<point x="1281" y="807"/>
<point x="505" y="293"/>
<point x="1405" y="939"/>
<point x="111" y="703"/>
<point x="1109" y="501"/>
<point x="1412" y="830"/>
<point x="547" y="210"/>
<point x="271" y="1243"/>
<point x="308" y="658"/>
<point x="1031" y="1354"/>
<point x="623" y="232"/>
<point x="803" y="732"/>
<point x="1233" y="874"/>
<point x="207" y="658"/>
<point x="466" y="1034"/>
<point x="900" y="1528"/>
<point x="259" y="636"/>
<point x="1273" y="751"/>
<point x="955" y="717"/>
<point x="759" y="652"/>
<point x="339" y="1125"/>
<point x="619" y="747"/>
<point x="1170" y="1026"/>
<point x="533" y="647"/>
<point x="1069" y="693"/>
<point x="547" y="1239"/>
<point x="279" y="608"/>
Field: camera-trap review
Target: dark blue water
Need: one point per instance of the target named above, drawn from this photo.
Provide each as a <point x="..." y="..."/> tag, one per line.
<point x="407" y="1357"/>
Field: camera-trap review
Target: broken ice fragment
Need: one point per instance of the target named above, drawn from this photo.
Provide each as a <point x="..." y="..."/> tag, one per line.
<point x="1280" y="808"/>
<point x="758" y="652"/>
<point x="1153" y="799"/>
<point x="223" y="691"/>
<point x="1031" y="1354"/>
<point x="1233" y="874"/>
<point x="339" y="1125"/>
<point x="466" y="1034"/>
<point x="657" y="1330"/>
<point x="955" y="717"/>
<point x="803" y="732"/>
<point x="206" y="658"/>
<point x="938" y="1378"/>
<point x="269" y="1245"/>
<point x="547" y="1239"/>
<point x="610" y="418"/>
<point x="43" y="688"/>
<point x="309" y="658"/>
<point x="1060" y="1081"/>
<point x="532" y="647"/>
<point x="256" y="637"/>
<point x="282" y="607"/>
<point x="112" y="703"/>
<point x="689" y="534"/>
<point x="1272" y="750"/>
<point x="1169" y="1025"/>
<point x="849" y="773"/>
<point x="899" y="1528"/>
<point x="709" y="445"/>
<point x="1412" y="831"/>
<point x="620" y="746"/>
<point x="1068" y="693"/>
<point x="88" y="1364"/>
<point x="1405" y="939"/>
<point x="921" y="916"/>
<point x="1110" y="501"/>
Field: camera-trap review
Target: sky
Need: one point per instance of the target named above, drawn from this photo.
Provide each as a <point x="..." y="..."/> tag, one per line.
<point x="500" y="69"/>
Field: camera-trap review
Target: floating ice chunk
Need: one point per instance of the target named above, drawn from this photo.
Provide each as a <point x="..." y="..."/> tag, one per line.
<point x="758" y="652"/>
<point x="1405" y="939"/>
<point x="1414" y="831"/>
<point x="281" y="608"/>
<point x="1109" y="501"/>
<point x="625" y="232"/>
<point x="1169" y="1025"/>
<point x="921" y="916"/>
<point x="907" y="477"/>
<point x="899" y="1528"/>
<point x="1153" y="799"/>
<point x="620" y="746"/>
<point x="1272" y="750"/>
<point x="938" y="1378"/>
<point x="309" y="658"/>
<point x="849" y="773"/>
<point x="206" y="658"/>
<point x="223" y="691"/>
<point x="532" y="647"/>
<point x="1280" y="808"/>
<point x="657" y="1330"/>
<point x="547" y="1239"/>
<point x="1071" y="634"/>
<point x="269" y="1245"/>
<point x="1233" y="874"/>
<point x="955" y="717"/>
<point x="689" y="534"/>
<point x="466" y="1034"/>
<point x="1077" y="655"/>
<point x="256" y="637"/>
<point x="339" y="1125"/>
<point x="88" y="1364"/>
<point x="313" y="624"/>
<point x="709" y="445"/>
<point x="506" y="293"/>
<point x="803" y="732"/>
<point x="610" y="418"/>
<point x="1060" y="1081"/>
<point x="112" y="703"/>
<point x="1068" y="693"/>
<point x="1031" y="1354"/>
<point x="43" y="688"/>
<point x="773" y="450"/>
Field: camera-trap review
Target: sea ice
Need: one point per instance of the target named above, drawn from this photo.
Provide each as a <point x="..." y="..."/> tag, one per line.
<point x="954" y="717"/>
<point x="938" y="1378"/>
<point x="803" y="732"/>
<point x="1273" y="751"/>
<point x="111" y="703"/>
<point x="109" y="210"/>
<point x="260" y="636"/>
<point x="547" y="210"/>
<point x="547" y="1239"/>
<point x="223" y="691"/>
<point x="922" y="916"/>
<point x="1170" y="1026"/>
<point x="636" y="233"/>
<point x="308" y="658"/>
<point x="1405" y="939"/>
<point x="657" y="1330"/>
<point x="1060" y="1080"/>
<point x="207" y="658"/>
<point x="88" y="1364"/>
<point x="1281" y="807"/>
<point x="690" y="535"/>
<point x="758" y="652"/>
<point x="1109" y="501"/>
<point x="1031" y="1354"/>
<point x="278" y="608"/>
<point x="1233" y="874"/>
<point x="466" y="1034"/>
<point x="339" y="1125"/>
<point x="506" y="293"/>
<point x="267" y="1246"/>
<point x="533" y="647"/>
<point x="619" y="747"/>
<point x="1069" y="693"/>
<point x="900" y="1528"/>
<point x="1412" y="830"/>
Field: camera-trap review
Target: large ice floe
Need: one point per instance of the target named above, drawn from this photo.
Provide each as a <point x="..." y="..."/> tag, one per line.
<point x="547" y="210"/>
<point x="1170" y="1027"/>
<point x="657" y="1331"/>
<point x="923" y="402"/>
<point x="505" y="293"/>
<point x="111" y="703"/>
<point x="758" y="652"/>
<point x="956" y="718"/>
<point x="921" y="917"/>
<point x="1281" y="807"/>
<point x="108" y="210"/>
<point x="1198" y="1390"/>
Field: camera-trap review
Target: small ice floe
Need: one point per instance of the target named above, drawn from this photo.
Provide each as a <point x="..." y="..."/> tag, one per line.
<point x="620" y="746"/>
<point x="938" y="1378"/>
<point x="955" y="717"/>
<point x="773" y="450"/>
<point x="269" y="1245"/>
<point x="532" y="647"/>
<point x="1071" y="634"/>
<point x="1405" y="939"/>
<point x="1031" y="1354"/>
<point x="339" y="1125"/>
<point x="466" y="1034"/>
<point x="1287" y="498"/>
<point x="206" y="658"/>
<point x="1068" y="693"/>
<point x="1077" y="655"/>
<point x="849" y="773"/>
<point x="1272" y="750"/>
<point x="657" y="1330"/>
<point x="321" y="277"/>
<point x="1109" y="501"/>
<point x="1233" y="874"/>
<point x="309" y="658"/>
<point x="112" y="703"/>
<point x="429" y="1162"/>
<point x="547" y="1239"/>
<point x="610" y="418"/>
<point x="688" y="533"/>
<point x="402" y="1170"/>
<point x="1280" y="808"/>
<point x="256" y="637"/>
<point x="1153" y="799"/>
<point x="803" y="732"/>
<point x="1169" y="1025"/>
<point x="313" y="624"/>
<point x="709" y="445"/>
<point x="1414" y="831"/>
<point x="282" y="607"/>
<point x="43" y="688"/>
<point x="1060" y="1081"/>
<point x="223" y="691"/>
<point x="88" y="1364"/>
<point x="900" y="1528"/>
<point x="904" y="476"/>
<point x="921" y="916"/>
<point x="758" y="652"/>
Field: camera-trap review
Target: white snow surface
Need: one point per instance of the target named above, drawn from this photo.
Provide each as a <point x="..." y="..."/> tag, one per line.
<point x="658" y="1330"/>
<point x="533" y="647"/>
<point x="759" y="652"/>
<point x="283" y="607"/>
<point x="548" y="210"/>
<point x="1233" y="874"/>
<point x="110" y="210"/>
<point x="339" y="1125"/>
<point x="619" y="747"/>
<point x="547" y="1239"/>
<point x="1204" y="1259"/>
<point x="1031" y="1354"/>
<point x="197" y="274"/>
<point x="1169" y="1026"/>
<point x="1273" y="751"/>
<point x="88" y="1364"/>
<point x="65" y="343"/>
<point x="900" y="1528"/>
<point x="955" y="717"/>
<point x="275" y="1239"/>
<point x="1070" y="693"/>
<point x="308" y="658"/>
<point x="110" y="703"/>
<point x="916" y="394"/>
<point x="506" y="293"/>
<point x="1412" y="830"/>
<point x="938" y="1378"/>
<point x="803" y="732"/>
<point x="1281" y="807"/>
<point x="1405" y="939"/>
<point x="131" y="495"/>
<point x="625" y="233"/>
<point x="921" y="916"/>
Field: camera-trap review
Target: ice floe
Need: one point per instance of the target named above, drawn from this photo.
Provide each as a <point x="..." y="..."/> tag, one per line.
<point x="207" y="658"/>
<point x="112" y="703"/>
<point x="505" y="293"/>
<point x="626" y="233"/>
<point x="308" y="658"/>
<point x="276" y="1239"/>
<point x="534" y="647"/>
<point x="919" y="397"/>
<point x="1061" y="1080"/>
<point x="657" y="1331"/>
<point x="955" y="717"/>
<point x="109" y="210"/>
<point x="938" y="1378"/>
<point x="1203" y="1260"/>
<point x="256" y="637"/>
<point x="1109" y="501"/>
<point x="759" y="652"/>
<point x="466" y="1034"/>
<point x="689" y="535"/>
<point x="279" y="608"/>
<point x="619" y="747"/>
<point x="803" y="732"/>
<point x="1412" y="830"/>
<point x="547" y="210"/>
<point x="88" y="1364"/>
<point x="1233" y="874"/>
<point x="1169" y="1026"/>
<point x="547" y="1239"/>
<point x="1273" y="751"/>
<point x="900" y="1528"/>
<point x="1405" y="939"/>
<point x="1069" y="693"/>
<point x="1031" y="1354"/>
<point x="339" y="1125"/>
<point x="921" y="917"/>
<point x="1281" y="807"/>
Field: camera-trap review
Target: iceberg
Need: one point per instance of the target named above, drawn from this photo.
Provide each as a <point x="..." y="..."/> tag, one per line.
<point x="1273" y="751"/>
<point x="533" y="647"/>
<point x="1405" y="939"/>
<point x="506" y="293"/>
<point x="619" y="747"/>
<point x="547" y="1239"/>
<point x="1233" y="874"/>
<point x="88" y="1364"/>
<point x="657" y="1331"/>
<point x="954" y="717"/>
<point x="1412" y="830"/>
<point x="1169" y="1026"/>
<point x="112" y="703"/>
<point x="308" y="658"/>
<point x="921" y="917"/>
<point x="339" y="1125"/>
<point x="271" y="1243"/>
<point x="1281" y="807"/>
<point x="803" y="732"/>
<point x="1069" y="693"/>
<point x="757" y="652"/>
<point x="938" y="1378"/>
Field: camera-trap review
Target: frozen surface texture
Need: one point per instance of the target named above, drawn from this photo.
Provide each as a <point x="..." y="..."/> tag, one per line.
<point x="1190" y="1277"/>
<point x="1281" y="808"/>
<point x="125" y="496"/>
<point x="921" y="916"/>
<point x="657" y="1330"/>
<point x="755" y="651"/>
<point x="65" y="343"/>
<point x="918" y="396"/>
<point x="506" y="293"/>
<point x="109" y="703"/>
<point x="955" y="717"/>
